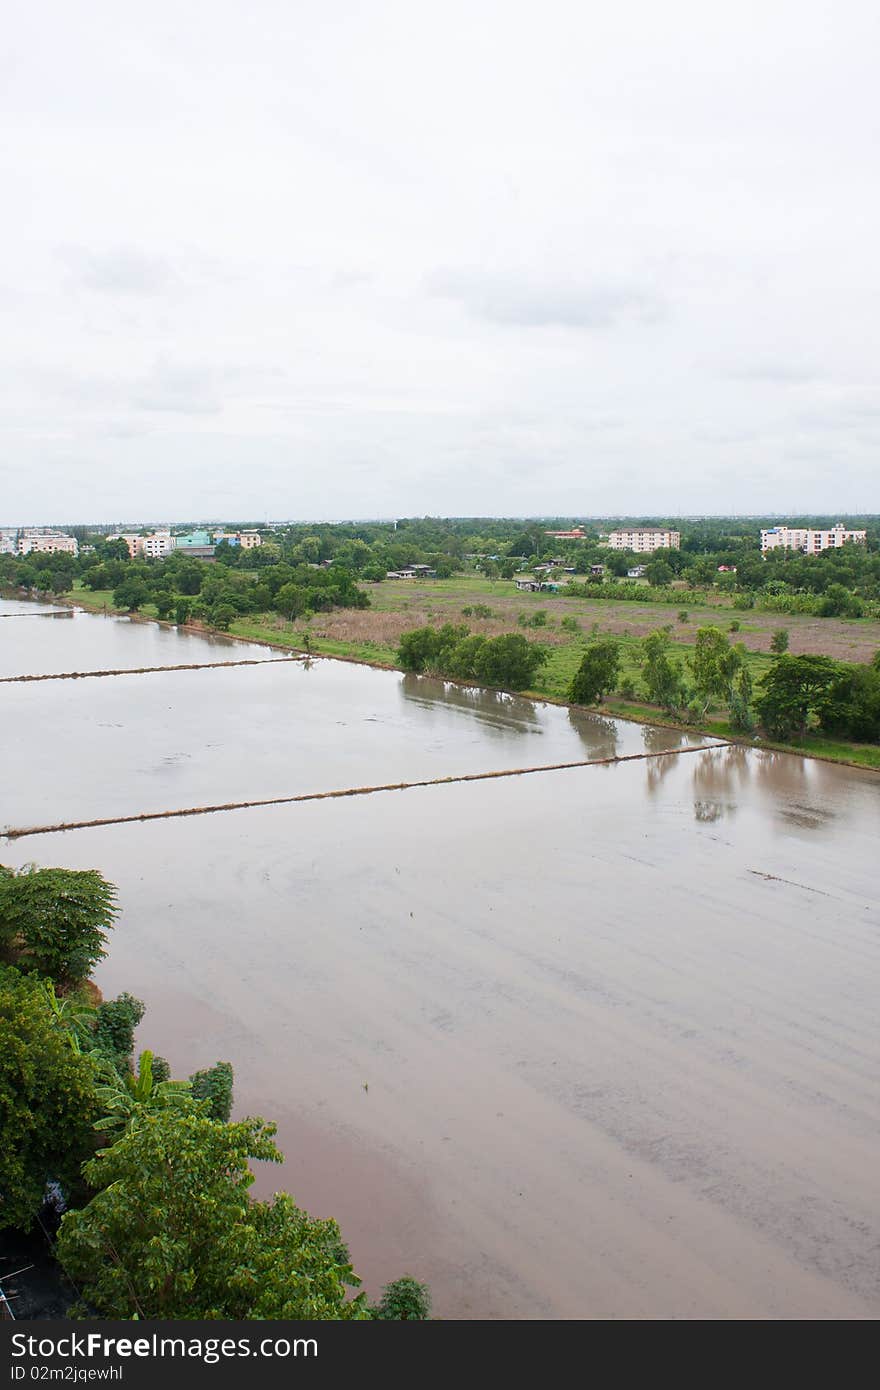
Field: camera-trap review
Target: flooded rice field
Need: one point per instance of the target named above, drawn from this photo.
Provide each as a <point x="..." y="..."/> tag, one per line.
<point x="593" y="1043"/>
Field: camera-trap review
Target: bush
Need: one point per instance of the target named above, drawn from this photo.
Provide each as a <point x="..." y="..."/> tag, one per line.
<point x="779" y="641"/>
<point x="215" y="1086"/>
<point x="115" y="1022"/>
<point x="404" y="1300"/>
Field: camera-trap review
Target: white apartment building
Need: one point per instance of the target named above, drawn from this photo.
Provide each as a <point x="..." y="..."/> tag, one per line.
<point x="644" y="541"/>
<point x="158" y="545"/>
<point x="47" y="543"/>
<point x="809" y="541"/>
<point x="152" y="547"/>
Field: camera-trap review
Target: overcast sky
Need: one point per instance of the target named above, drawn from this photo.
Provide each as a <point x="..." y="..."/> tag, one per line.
<point x="362" y="259"/>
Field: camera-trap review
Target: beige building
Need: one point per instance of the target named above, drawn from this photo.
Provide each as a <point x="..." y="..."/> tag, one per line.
<point x="644" y="540"/>
<point x="809" y="541"/>
<point x="152" y="547"/>
<point x="47" y="543"/>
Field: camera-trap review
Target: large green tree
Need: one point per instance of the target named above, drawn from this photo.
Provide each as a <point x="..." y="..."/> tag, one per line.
<point x="792" y="690"/>
<point x="597" y="673"/>
<point x="173" y="1233"/>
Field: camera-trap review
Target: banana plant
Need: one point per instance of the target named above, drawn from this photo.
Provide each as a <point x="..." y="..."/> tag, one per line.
<point x="126" y="1098"/>
<point x="75" y="1017"/>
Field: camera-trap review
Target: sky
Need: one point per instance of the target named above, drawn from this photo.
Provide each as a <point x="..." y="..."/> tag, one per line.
<point x="334" y="260"/>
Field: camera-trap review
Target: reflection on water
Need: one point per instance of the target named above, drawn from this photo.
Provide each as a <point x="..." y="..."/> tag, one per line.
<point x="494" y="709"/>
<point x="599" y="735"/>
<point x="798" y="792"/>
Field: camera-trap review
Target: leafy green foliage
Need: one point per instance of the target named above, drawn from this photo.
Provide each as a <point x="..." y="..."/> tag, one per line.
<point x="850" y="706"/>
<point x="115" y="1022"/>
<point x="404" y="1300"/>
<point x="779" y="641"/>
<point x="509" y="661"/>
<point x="55" y="921"/>
<point x="131" y="594"/>
<point x="714" y="665"/>
<point x="215" y="1086"/>
<point x="172" y="1232"/>
<point x="47" y="1100"/>
<point x="661" y="674"/>
<point x="127" y="1100"/>
<point x="597" y="673"/>
<point x="792" y="690"/>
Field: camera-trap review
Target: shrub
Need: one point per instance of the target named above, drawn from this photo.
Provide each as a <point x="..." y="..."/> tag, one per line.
<point x="215" y="1086"/>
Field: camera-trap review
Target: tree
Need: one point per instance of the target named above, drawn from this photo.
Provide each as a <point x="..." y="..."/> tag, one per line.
<point x="164" y="602"/>
<point x="659" y="573"/>
<point x="47" y="1100"/>
<point x="130" y="594"/>
<point x="509" y="661"/>
<point x="181" y="612"/>
<point x="222" y="615"/>
<point x="597" y="673"/>
<point x="662" y="675"/>
<point x="172" y="1232"/>
<point x="850" y="706"/>
<point x="714" y="665"/>
<point x="55" y="921"/>
<point x="791" y="690"/>
<point x="779" y="641"/>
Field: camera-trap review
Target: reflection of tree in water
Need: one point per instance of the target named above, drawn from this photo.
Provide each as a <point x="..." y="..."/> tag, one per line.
<point x="599" y="735"/>
<point x="802" y="791"/>
<point x="656" y="769"/>
<point x="717" y="774"/>
<point x="657" y="740"/>
<point x="493" y="708"/>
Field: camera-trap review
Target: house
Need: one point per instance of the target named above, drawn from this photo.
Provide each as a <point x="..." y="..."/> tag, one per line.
<point x="637" y="572"/>
<point x="528" y="586"/>
<point x="597" y="569"/>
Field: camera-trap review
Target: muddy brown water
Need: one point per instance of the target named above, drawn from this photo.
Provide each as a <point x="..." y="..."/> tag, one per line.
<point x="596" y="1043"/>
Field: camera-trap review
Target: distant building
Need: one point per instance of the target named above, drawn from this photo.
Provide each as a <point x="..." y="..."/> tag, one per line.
<point x="637" y="572"/>
<point x="644" y="541"/>
<point x="47" y="543"/>
<point x="158" y="545"/>
<point x="809" y="541"/>
<point x="153" y="547"/>
<point x="578" y="534"/>
<point x="249" y="540"/>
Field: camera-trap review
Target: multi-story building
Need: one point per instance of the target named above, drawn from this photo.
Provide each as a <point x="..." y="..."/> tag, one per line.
<point x="153" y="547"/>
<point x="809" y="541"/>
<point x="157" y="546"/>
<point x="47" y="543"/>
<point x="644" y="540"/>
<point x="577" y="534"/>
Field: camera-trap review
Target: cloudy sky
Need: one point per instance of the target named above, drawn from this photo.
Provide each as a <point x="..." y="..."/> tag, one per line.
<point x="337" y="259"/>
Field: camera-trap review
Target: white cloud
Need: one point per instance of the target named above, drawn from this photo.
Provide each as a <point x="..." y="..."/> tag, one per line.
<point x="346" y="259"/>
